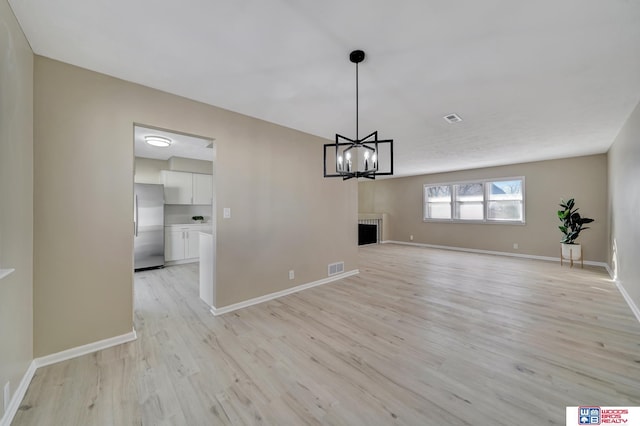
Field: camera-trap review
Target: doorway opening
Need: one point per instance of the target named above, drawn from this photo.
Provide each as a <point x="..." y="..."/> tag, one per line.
<point x="174" y="198"/>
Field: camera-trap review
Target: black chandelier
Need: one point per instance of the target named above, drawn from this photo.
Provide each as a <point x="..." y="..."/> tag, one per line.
<point x="354" y="158"/>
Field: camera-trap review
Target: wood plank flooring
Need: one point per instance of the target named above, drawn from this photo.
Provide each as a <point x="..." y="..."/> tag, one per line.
<point x="420" y="337"/>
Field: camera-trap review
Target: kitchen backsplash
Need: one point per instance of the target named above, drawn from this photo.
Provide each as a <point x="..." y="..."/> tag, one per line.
<point x="179" y="214"/>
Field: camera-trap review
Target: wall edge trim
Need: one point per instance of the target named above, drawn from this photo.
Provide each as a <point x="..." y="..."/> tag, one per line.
<point x="256" y="300"/>
<point x="18" y="395"/>
<point x="609" y="271"/>
<point x="85" y="349"/>
<point x="632" y="305"/>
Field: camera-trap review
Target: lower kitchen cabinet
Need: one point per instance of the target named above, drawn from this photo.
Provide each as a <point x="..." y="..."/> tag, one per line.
<point x="182" y="242"/>
<point x="192" y="245"/>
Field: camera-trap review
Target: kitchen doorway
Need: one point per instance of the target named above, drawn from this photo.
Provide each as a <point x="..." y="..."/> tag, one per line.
<point x="174" y="201"/>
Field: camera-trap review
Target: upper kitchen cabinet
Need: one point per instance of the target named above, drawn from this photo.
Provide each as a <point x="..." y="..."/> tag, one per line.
<point x="202" y="189"/>
<point x="187" y="188"/>
<point x="178" y="187"/>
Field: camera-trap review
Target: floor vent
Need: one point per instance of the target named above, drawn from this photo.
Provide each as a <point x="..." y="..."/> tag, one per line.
<point x="336" y="268"/>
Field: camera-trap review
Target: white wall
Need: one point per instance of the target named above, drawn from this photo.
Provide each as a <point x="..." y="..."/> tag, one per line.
<point x="16" y="200"/>
<point x="624" y="207"/>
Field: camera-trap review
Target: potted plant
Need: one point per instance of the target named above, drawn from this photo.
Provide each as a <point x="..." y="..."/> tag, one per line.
<point x="572" y="225"/>
<point x="198" y="219"/>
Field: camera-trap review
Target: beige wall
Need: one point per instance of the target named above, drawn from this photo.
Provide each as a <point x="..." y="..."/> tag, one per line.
<point x="284" y="215"/>
<point x="547" y="182"/>
<point x="16" y="200"/>
<point x="624" y="206"/>
<point x="147" y="170"/>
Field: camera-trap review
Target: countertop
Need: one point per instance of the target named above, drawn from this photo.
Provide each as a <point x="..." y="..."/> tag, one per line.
<point x="192" y="224"/>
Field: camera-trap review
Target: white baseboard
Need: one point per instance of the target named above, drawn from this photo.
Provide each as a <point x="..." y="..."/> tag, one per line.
<point x="495" y="253"/>
<point x="21" y="390"/>
<point x="630" y="302"/>
<point x="609" y="271"/>
<point x="85" y="349"/>
<point x="181" y="262"/>
<point x="271" y="296"/>
<point x="18" y="395"/>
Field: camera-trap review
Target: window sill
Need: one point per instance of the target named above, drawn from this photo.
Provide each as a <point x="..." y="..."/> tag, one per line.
<point x="476" y="222"/>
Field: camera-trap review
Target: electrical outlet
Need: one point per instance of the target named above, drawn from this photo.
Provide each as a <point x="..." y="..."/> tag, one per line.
<point x="292" y="274"/>
<point x="7" y="395"/>
<point x="515" y="246"/>
<point x="226" y="213"/>
<point x="411" y="237"/>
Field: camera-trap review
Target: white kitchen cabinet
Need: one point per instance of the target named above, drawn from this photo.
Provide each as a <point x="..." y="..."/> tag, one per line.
<point x="192" y="245"/>
<point x="187" y="188"/>
<point x="178" y="187"/>
<point x="202" y="189"/>
<point x="207" y="268"/>
<point x="174" y="243"/>
<point x="182" y="242"/>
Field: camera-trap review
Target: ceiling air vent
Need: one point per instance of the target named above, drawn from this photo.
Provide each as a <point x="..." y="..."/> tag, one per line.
<point x="453" y="118"/>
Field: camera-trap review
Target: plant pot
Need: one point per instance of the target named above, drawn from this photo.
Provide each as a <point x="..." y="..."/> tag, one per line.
<point x="571" y="251"/>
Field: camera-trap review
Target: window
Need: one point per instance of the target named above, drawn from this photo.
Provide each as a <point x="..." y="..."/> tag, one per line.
<point x="489" y="201"/>
<point x="438" y="201"/>
<point x="505" y="200"/>
<point x="469" y="201"/>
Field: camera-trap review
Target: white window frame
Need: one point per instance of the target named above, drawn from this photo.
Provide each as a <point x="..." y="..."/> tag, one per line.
<point x="485" y="204"/>
<point x="424" y="202"/>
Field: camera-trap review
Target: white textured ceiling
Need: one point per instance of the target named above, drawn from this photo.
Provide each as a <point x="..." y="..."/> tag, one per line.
<point x="532" y="80"/>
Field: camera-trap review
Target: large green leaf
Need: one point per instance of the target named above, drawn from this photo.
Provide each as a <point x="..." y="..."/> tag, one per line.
<point x="571" y="220"/>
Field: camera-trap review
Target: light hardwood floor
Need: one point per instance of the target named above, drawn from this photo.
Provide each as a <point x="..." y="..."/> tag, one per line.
<point x="420" y="337"/>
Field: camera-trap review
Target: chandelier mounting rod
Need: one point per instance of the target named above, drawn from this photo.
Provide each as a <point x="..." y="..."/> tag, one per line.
<point x="356" y="57"/>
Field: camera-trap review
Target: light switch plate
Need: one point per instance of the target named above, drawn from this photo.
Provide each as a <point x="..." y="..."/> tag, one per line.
<point x="226" y="213"/>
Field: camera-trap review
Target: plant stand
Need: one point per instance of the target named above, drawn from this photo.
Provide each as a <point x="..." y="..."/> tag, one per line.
<point x="571" y="257"/>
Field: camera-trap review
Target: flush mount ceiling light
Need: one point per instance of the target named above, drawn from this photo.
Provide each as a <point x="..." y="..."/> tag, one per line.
<point x="158" y="141"/>
<point x="354" y="158"/>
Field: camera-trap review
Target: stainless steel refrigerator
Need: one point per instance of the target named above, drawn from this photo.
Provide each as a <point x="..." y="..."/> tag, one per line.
<point x="148" y="226"/>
